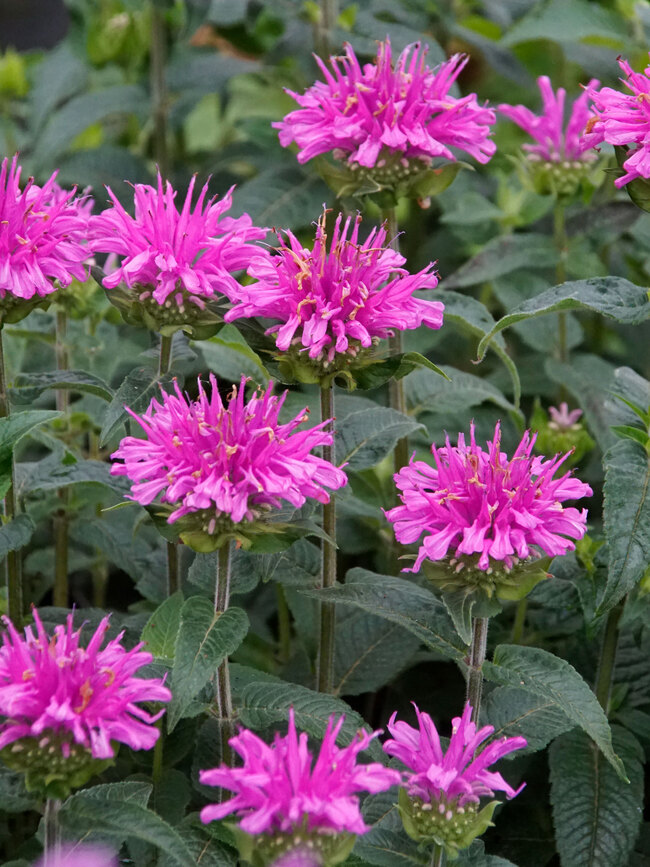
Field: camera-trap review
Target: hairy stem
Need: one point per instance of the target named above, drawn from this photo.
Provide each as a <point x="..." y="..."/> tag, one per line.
<point x="165" y="354"/>
<point x="328" y="13"/>
<point x="560" y="238"/>
<point x="437" y="856"/>
<point x="14" y="563"/>
<point x="328" y="574"/>
<point x="519" y="621"/>
<point x="607" y="659"/>
<point x="52" y="841"/>
<point x="159" y="88"/>
<point x="475" y="662"/>
<point x="224" y="696"/>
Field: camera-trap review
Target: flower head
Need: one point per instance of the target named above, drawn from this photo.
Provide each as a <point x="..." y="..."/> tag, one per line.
<point x="42" y="237"/>
<point x="562" y="419"/>
<point x="381" y="116"/>
<point x="66" y="704"/>
<point x="177" y="261"/>
<point x="226" y="464"/>
<point x="79" y="855"/>
<point x="331" y="302"/>
<point x="490" y="511"/>
<point x="281" y="789"/>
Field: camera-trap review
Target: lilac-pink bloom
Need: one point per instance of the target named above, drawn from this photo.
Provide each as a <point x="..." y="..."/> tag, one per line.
<point x="458" y="775"/>
<point x="281" y="788"/>
<point x="79" y="855"/>
<point x="171" y="256"/>
<point x="365" y="114"/>
<point x="54" y="689"/>
<point x="562" y="418"/>
<point x="42" y="236"/>
<point x="336" y="300"/>
<point x="555" y="143"/>
<point x="478" y="504"/>
<point x="234" y="460"/>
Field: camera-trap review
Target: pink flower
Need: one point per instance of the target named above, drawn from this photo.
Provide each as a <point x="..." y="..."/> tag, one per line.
<point x="280" y="788"/>
<point x="60" y="693"/>
<point x="335" y="301"/>
<point x="366" y="115"/>
<point x="624" y="119"/>
<point x="234" y="461"/>
<point x="562" y="419"/>
<point x="79" y="855"/>
<point x="555" y="143"/>
<point x="184" y="257"/>
<point x="481" y="505"/>
<point x="42" y="235"/>
<point x="457" y="776"/>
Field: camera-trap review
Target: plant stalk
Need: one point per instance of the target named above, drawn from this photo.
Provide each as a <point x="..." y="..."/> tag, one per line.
<point x="224" y="695"/>
<point x="607" y="659"/>
<point x="475" y="662"/>
<point x="437" y="856"/>
<point x="158" y="751"/>
<point x="14" y="562"/>
<point x="284" y="624"/>
<point x="519" y="621"/>
<point x="328" y="574"/>
<point x="60" y="590"/>
<point x="328" y="13"/>
<point x="560" y="238"/>
<point x="159" y="88"/>
<point x="173" y="582"/>
<point x="52" y="842"/>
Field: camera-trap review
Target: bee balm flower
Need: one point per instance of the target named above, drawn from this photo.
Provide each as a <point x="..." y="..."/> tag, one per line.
<point x="286" y="800"/>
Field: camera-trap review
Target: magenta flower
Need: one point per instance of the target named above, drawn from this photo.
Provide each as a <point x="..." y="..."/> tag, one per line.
<point x="562" y="419"/>
<point x="175" y="258"/>
<point x="624" y="119"/>
<point x="485" y="509"/>
<point x="79" y="855"/>
<point x="555" y="143"/>
<point x="228" y="462"/>
<point x="457" y="776"/>
<point x="336" y="301"/>
<point x="62" y="694"/>
<point x="42" y="237"/>
<point x="281" y="789"/>
<point x="372" y="114"/>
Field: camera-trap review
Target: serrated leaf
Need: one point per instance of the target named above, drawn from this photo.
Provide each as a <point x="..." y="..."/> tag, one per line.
<point x="244" y="574"/>
<point x="207" y="849"/>
<point x="160" y="631"/>
<point x="136" y="391"/>
<point x="12" y="430"/>
<point x="385" y="847"/>
<point x="229" y="356"/>
<point x="596" y="815"/>
<point x="626" y="513"/>
<point x="626" y="431"/>
<point x="515" y="712"/>
<point x="568" y="22"/>
<point x="548" y="676"/>
<point x="461" y="391"/>
<point x="15" y="534"/>
<point x="502" y="255"/>
<point x="52" y="474"/>
<point x="28" y="386"/>
<point x="205" y="638"/>
<point x="264" y="705"/>
<point x="613" y="297"/>
<point x="364" y="438"/>
<point x="401" y="602"/>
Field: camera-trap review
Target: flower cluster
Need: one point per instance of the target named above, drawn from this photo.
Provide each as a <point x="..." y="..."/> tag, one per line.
<point x="391" y="119"/>
<point x="334" y="301"/>
<point x="489" y="510"/>
<point x="42" y="238"/>
<point x="79" y="855"/>
<point x="225" y="464"/>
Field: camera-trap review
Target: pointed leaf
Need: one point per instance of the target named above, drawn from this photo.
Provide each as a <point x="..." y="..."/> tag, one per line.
<point x="28" y="386"/>
<point x="15" y="534"/>
<point x="138" y="389"/>
<point x="364" y="438"/>
<point x="12" y="429"/>
<point x="502" y="255"/>
<point x="515" y="712"/>
<point x="160" y="631"/>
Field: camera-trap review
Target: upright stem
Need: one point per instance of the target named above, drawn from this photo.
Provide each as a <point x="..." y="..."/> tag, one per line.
<point x="328" y="574"/>
<point x="328" y="13"/>
<point x="52" y="847"/>
<point x="158" y="751"/>
<point x="284" y="624"/>
<point x="437" y="856"/>
<point x="560" y="238"/>
<point x="159" y="88"/>
<point x="608" y="656"/>
<point x="14" y="563"/>
<point x="519" y="621"/>
<point x="164" y="361"/>
<point x="60" y="520"/>
<point x="475" y="665"/>
<point x="165" y="354"/>
<point x="224" y="696"/>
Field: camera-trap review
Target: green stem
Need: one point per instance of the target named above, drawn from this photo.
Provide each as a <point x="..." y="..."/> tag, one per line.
<point x="224" y="695"/>
<point x="437" y="856"/>
<point x="284" y="624"/>
<point x="328" y="13"/>
<point x="475" y="662"/>
<point x="165" y="354"/>
<point x="14" y="562"/>
<point x="158" y="751"/>
<point x="159" y="88"/>
<point x="560" y="238"/>
<point x="328" y="575"/>
<point x="164" y="361"/>
<point x="607" y="660"/>
<point x="519" y="621"/>
<point x="52" y="838"/>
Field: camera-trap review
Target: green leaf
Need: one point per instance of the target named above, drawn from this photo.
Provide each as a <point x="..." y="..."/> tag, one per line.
<point x="229" y="356"/>
<point x="28" y="386"/>
<point x="205" y="638"/>
<point x="207" y="850"/>
<point x="286" y="195"/>
<point x="12" y="430"/>
<point x="52" y="473"/>
<point x="14" y="794"/>
<point x="364" y="438"/>
<point x="118" y="815"/>
<point x="596" y="815"/>
<point x="547" y="676"/>
<point x="15" y="534"/>
<point x="626" y="514"/>
<point x="244" y="574"/>
<point x="138" y="389"/>
<point x="515" y="712"/>
<point x="399" y="601"/>
<point x="265" y="705"/>
<point x="381" y="371"/>
<point x="161" y="629"/>
<point x="568" y="22"/>
<point x="502" y="255"/>
<point x="425" y="392"/>
<point x="611" y="296"/>
<point x="626" y="431"/>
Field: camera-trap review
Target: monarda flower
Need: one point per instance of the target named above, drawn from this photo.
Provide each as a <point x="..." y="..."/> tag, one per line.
<point x="562" y="155"/>
<point x="286" y="801"/>
<point x="79" y="855"/>
<point x="388" y="123"/>
<point x="561" y="431"/>
<point x="485" y="514"/>
<point x="67" y="707"/>
<point x="223" y="467"/>
<point x="178" y="265"/>
<point x="333" y="302"/>
<point x="440" y="801"/>
<point x="42" y="241"/>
